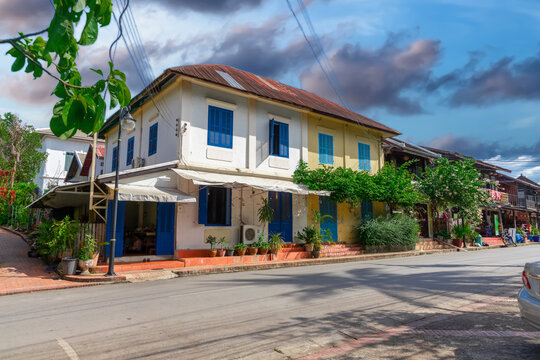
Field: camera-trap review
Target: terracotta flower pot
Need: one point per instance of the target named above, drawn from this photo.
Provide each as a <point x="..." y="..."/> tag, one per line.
<point x="316" y="254"/>
<point x="212" y="253"/>
<point x="263" y="251"/>
<point x="252" y="250"/>
<point x="240" y="252"/>
<point x="95" y="259"/>
<point x="308" y="247"/>
<point x="220" y="252"/>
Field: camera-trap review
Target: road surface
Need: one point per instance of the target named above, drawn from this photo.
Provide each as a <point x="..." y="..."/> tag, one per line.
<point x="441" y="306"/>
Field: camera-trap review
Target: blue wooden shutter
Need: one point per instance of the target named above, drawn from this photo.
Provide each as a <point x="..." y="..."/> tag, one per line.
<point x="322" y="149"/>
<point x="228" y="115"/>
<point x="165" y="229"/>
<point x="130" y="146"/>
<point x="228" y="207"/>
<point x="366" y="210"/>
<point x="152" y="142"/>
<point x="329" y="207"/>
<point x="283" y="140"/>
<point x="364" y="157"/>
<point x="114" y="157"/>
<point x="203" y="204"/>
<point x="211" y="125"/>
<point x="330" y="149"/>
<point x="271" y="137"/>
<point x="119" y="236"/>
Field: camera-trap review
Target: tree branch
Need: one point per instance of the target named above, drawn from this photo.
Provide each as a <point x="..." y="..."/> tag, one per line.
<point x="2" y="41"/>
<point x="37" y="63"/>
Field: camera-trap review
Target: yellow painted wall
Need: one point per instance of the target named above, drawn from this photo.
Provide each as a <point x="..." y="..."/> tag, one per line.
<point x="346" y="137"/>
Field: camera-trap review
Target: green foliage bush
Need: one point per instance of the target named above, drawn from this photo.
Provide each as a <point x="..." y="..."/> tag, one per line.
<point x="56" y="236"/>
<point x="463" y="231"/>
<point x="399" y="230"/>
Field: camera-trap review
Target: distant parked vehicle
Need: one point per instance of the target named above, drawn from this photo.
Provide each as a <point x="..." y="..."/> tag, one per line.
<point x="529" y="295"/>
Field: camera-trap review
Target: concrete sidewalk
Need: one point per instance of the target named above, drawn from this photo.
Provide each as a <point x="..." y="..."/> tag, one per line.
<point x="19" y="273"/>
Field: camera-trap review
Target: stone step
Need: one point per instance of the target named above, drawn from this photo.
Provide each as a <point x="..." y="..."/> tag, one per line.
<point x="342" y="253"/>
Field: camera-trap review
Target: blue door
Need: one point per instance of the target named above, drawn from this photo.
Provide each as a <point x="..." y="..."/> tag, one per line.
<point x="165" y="229"/>
<point x="119" y="246"/>
<point x="281" y="203"/>
<point x="329" y="207"/>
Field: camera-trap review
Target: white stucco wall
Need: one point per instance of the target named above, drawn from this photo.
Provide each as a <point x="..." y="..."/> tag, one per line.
<point x="52" y="171"/>
<point x="165" y="109"/>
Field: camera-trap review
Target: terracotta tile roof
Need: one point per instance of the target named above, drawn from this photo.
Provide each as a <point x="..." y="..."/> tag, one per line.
<point x="100" y="153"/>
<point x="271" y="89"/>
<point x="452" y="155"/>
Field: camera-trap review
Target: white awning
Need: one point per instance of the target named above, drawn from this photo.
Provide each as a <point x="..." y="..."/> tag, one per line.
<point x="151" y="193"/>
<point x="227" y="180"/>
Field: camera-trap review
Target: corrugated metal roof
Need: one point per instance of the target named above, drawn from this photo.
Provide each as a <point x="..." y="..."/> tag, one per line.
<point x="274" y="90"/>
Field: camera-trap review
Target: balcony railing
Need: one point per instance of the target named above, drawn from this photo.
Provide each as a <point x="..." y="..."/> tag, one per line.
<point x="502" y="198"/>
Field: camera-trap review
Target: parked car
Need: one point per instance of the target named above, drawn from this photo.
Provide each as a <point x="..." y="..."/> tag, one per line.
<point x="529" y="295"/>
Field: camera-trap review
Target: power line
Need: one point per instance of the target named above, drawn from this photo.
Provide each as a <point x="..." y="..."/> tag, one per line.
<point x="333" y="83"/>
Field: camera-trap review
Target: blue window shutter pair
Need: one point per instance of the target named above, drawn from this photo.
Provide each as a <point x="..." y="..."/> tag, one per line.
<point x="130" y="146"/>
<point x="364" y="157"/>
<point x="220" y="127"/>
<point x="203" y="206"/>
<point x="283" y="137"/>
<point x="366" y="210"/>
<point x="326" y="149"/>
<point x="114" y="157"/>
<point x="152" y="142"/>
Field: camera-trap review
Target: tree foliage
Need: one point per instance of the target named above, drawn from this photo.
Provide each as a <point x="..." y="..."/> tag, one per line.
<point x="19" y="150"/>
<point x="455" y="184"/>
<point x="80" y="107"/>
<point x="392" y="185"/>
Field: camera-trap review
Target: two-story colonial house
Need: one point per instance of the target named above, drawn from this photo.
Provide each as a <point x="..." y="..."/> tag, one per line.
<point x="211" y="142"/>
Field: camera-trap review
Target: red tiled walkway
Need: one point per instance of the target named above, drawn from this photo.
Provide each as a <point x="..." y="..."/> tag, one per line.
<point x="19" y="273"/>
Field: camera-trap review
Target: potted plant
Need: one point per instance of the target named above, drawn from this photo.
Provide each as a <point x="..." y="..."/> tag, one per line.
<point x="308" y="235"/>
<point x="63" y="233"/>
<point x="316" y="253"/>
<point x="212" y="241"/>
<point x="264" y="247"/>
<point x="87" y="253"/>
<point x="265" y="215"/>
<point x="276" y="242"/>
<point x="221" y="250"/>
<point x="229" y="251"/>
<point x="240" y="249"/>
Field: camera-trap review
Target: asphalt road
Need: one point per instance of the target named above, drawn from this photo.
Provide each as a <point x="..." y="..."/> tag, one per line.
<point x="441" y="306"/>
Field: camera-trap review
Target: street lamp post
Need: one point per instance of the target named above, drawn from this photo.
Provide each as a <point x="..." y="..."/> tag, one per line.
<point x="126" y="122"/>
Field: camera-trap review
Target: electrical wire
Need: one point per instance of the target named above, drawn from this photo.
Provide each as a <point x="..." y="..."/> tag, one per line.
<point x="316" y="55"/>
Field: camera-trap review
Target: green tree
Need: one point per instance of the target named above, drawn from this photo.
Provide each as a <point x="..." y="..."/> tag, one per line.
<point x="81" y="107"/>
<point x="455" y="184"/>
<point x="19" y="150"/>
<point x="393" y="186"/>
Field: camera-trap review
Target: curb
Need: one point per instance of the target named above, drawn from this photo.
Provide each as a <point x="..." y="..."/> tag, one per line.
<point x="97" y="279"/>
<point x="194" y="271"/>
<point x="15" y="232"/>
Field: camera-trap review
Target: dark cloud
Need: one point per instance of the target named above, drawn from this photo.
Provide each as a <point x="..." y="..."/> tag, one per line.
<point x="479" y="149"/>
<point x="505" y="79"/>
<point x="26" y="16"/>
<point x="247" y="47"/>
<point x="206" y="6"/>
<point x="254" y="49"/>
<point x="379" y="77"/>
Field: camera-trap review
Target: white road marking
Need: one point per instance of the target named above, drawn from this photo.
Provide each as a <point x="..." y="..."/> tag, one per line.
<point x="70" y="352"/>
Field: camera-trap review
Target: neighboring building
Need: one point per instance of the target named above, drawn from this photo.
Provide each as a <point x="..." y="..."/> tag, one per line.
<point x="60" y="154"/>
<point x="213" y="143"/>
<point x="80" y="168"/>
<point x="398" y="152"/>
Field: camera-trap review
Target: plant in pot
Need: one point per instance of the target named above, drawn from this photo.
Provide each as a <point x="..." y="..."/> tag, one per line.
<point x="240" y="249"/>
<point x="276" y="242"/>
<point x="87" y="253"/>
<point x="253" y="248"/>
<point x="221" y="250"/>
<point x="308" y="235"/>
<point x="317" y="243"/>
<point x="63" y="233"/>
<point x="264" y="247"/>
<point x="265" y="215"/>
<point x="229" y="250"/>
<point x="210" y="239"/>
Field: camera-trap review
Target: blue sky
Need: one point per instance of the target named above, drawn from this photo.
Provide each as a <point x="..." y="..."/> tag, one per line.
<point x="455" y="74"/>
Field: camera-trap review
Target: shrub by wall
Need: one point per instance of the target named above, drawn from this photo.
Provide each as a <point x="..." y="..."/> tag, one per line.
<point x="399" y="233"/>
